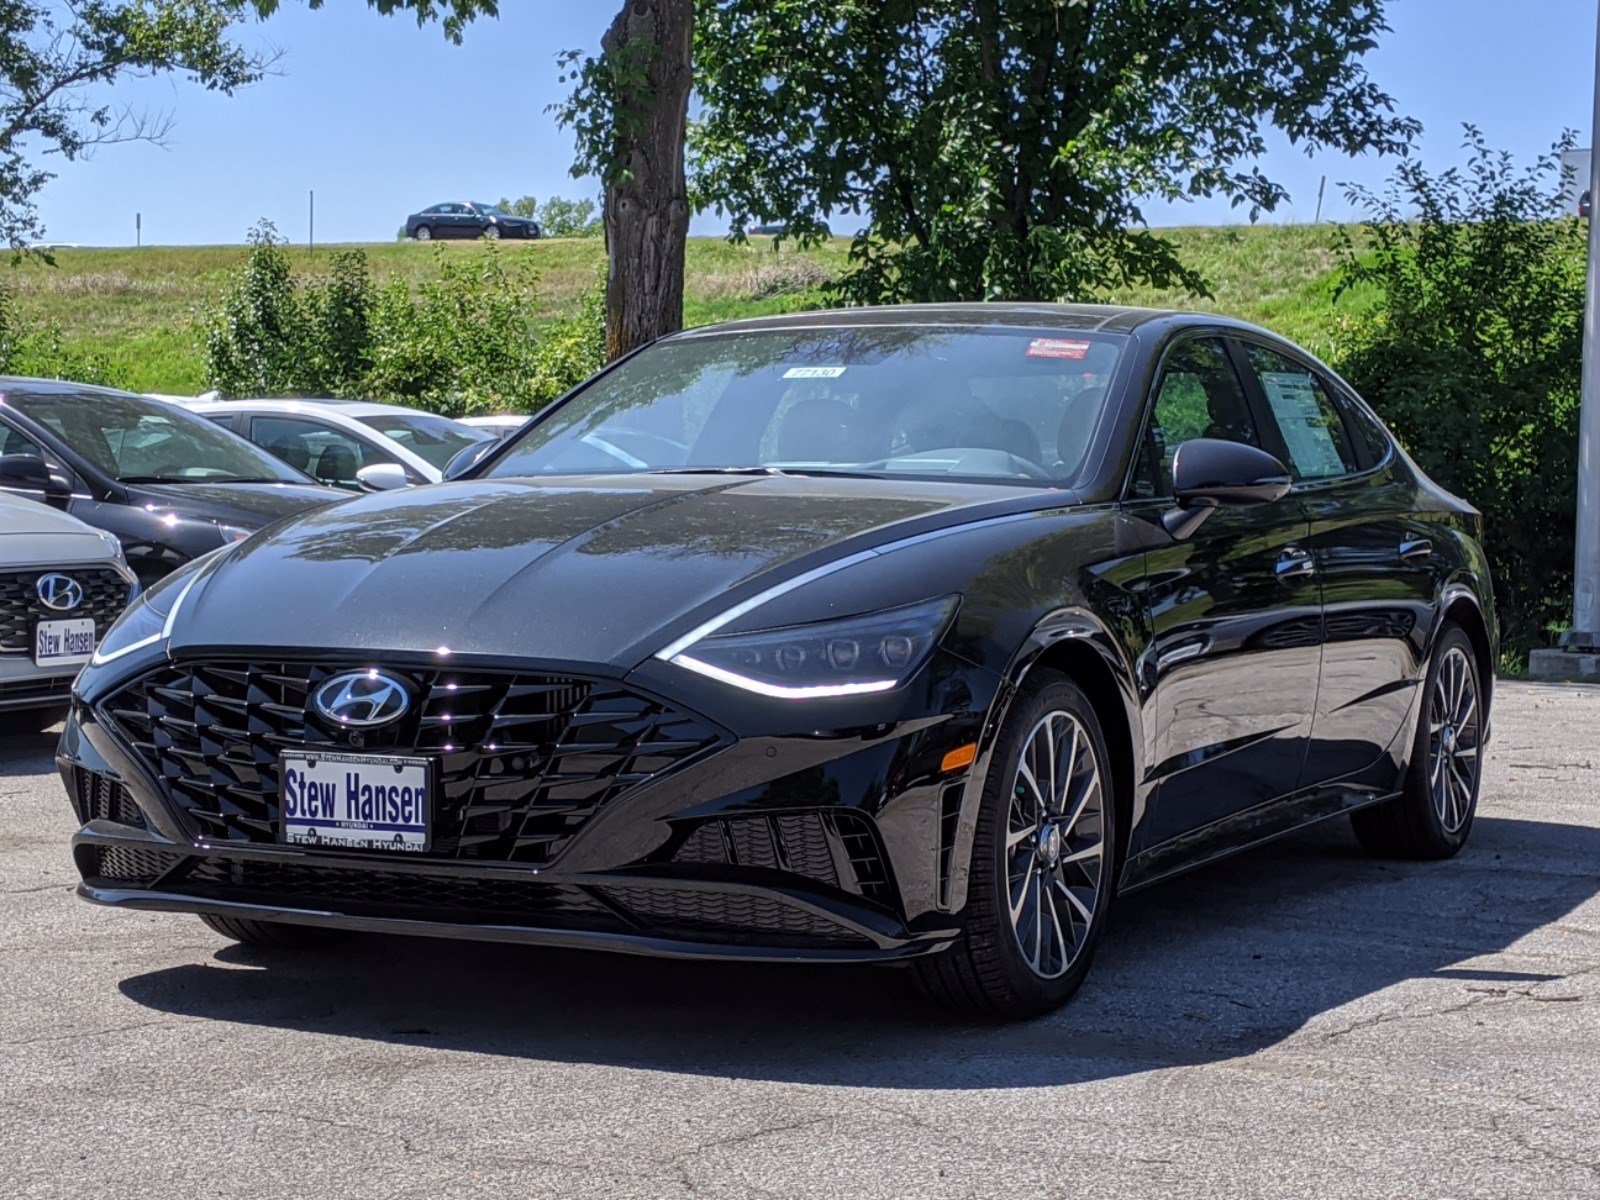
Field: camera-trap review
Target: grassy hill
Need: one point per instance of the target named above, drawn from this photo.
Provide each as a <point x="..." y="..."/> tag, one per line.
<point x="139" y="309"/>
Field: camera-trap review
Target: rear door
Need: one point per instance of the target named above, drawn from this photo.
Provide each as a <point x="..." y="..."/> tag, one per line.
<point x="1235" y="616"/>
<point x="1374" y="556"/>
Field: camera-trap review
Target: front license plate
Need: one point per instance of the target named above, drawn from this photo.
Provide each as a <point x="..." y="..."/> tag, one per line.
<point x="356" y="801"/>
<point x="63" y="643"/>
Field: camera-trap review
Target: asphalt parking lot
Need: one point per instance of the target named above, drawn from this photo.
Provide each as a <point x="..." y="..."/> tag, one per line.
<point x="1300" y="1021"/>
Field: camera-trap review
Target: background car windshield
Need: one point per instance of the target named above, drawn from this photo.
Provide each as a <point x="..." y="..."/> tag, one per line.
<point x="436" y="439"/>
<point x="985" y="404"/>
<point x="134" y="439"/>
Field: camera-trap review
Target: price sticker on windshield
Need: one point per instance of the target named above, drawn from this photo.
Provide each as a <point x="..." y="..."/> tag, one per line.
<point x="813" y="372"/>
<point x="1058" y="348"/>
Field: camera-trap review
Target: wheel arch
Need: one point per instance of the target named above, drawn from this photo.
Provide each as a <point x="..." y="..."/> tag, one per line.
<point x="1080" y="646"/>
<point x="1459" y="603"/>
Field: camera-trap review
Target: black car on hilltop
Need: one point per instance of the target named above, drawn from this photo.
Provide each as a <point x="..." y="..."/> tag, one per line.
<point x="461" y="219"/>
<point x="909" y="634"/>
<point x="170" y="485"/>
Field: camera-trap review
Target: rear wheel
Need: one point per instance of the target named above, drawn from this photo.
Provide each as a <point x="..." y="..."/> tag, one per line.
<point x="272" y="934"/>
<point x="1432" y="817"/>
<point x="423" y="234"/>
<point x="1041" y="862"/>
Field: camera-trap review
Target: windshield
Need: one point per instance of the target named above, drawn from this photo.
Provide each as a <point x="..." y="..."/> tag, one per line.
<point x="889" y="401"/>
<point x="136" y="440"/>
<point x="434" y="439"/>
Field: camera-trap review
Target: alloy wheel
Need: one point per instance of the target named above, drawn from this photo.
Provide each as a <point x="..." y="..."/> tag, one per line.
<point x="1055" y="844"/>
<point x="423" y="233"/>
<point x="1453" y="739"/>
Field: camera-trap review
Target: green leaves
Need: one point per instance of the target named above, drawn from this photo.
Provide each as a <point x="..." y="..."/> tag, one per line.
<point x="1474" y="355"/>
<point x="1002" y="148"/>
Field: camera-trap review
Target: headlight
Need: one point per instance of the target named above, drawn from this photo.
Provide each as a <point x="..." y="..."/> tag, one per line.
<point x="149" y="619"/>
<point x="848" y="657"/>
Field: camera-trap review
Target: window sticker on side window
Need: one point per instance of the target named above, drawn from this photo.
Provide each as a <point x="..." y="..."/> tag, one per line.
<point x="1296" y="404"/>
<point x="813" y="372"/>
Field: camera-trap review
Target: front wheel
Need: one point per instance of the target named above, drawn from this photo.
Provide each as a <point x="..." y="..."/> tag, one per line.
<point x="1042" y="857"/>
<point x="1433" y="815"/>
<point x="273" y="935"/>
<point x="492" y="233"/>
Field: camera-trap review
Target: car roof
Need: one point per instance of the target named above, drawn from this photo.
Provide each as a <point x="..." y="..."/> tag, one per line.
<point x="347" y="408"/>
<point x="1087" y="318"/>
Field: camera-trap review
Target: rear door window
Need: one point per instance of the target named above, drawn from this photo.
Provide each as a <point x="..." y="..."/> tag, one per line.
<point x="1312" y="429"/>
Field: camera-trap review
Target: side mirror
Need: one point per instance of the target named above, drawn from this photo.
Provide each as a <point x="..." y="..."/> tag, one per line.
<point x="382" y="477"/>
<point x="32" y="473"/>
<point x="468" y="457"/>
<point x="1209" y="474"/>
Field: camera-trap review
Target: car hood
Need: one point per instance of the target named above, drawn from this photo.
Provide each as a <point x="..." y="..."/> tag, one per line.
<point x="34" y="534"/>
<point x="247" y="505"/>
<point x="587" y="570"/>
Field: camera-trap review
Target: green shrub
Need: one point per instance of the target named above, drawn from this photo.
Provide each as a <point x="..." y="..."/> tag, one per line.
<point x="255" y="337"/>
<point x="1473" y="356"/>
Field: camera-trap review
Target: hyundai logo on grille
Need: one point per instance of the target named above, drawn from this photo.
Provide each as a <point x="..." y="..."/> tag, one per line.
<point x="362" y="699"/>
<point x="60" y="592"/>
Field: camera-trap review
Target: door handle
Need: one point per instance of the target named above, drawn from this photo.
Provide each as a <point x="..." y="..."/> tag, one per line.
<point x="1295" y="563"/>
<point x="1414" y="549"/>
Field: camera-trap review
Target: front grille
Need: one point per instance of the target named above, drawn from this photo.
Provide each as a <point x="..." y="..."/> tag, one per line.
<point x="472" y="900"/>
<point x="105" y="595"/>
<point x="102" y="798"/>
<point x="733" y="915"/>
<point x="524" y="759"/>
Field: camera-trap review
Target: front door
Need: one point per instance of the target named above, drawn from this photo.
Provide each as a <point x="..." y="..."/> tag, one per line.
<point x="1235" y="616"/>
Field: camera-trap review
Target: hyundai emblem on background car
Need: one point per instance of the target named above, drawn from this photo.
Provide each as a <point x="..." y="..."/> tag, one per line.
<point x="60" y="592"/>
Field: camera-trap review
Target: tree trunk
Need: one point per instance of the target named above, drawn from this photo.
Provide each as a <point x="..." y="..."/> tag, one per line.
<point x="647" y="203"/>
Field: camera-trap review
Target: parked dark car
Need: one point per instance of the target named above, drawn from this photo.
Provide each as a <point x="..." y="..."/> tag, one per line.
<point x="460" y="219"/>
<point x="887" y="634"/>
<point x="168" y="483"/>
<point x="1583" y="205"/>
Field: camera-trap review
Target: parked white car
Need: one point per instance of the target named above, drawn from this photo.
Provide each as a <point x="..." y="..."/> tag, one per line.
<point x="62" y="584"/>
<point x="500" y="425"/>
<point x="352" y="444"/>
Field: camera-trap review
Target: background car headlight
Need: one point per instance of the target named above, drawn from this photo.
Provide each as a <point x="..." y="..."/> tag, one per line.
<point x="850" y="656"/>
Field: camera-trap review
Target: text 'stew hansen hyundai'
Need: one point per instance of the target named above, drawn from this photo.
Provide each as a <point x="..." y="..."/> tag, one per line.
<point x="906" y="634"/>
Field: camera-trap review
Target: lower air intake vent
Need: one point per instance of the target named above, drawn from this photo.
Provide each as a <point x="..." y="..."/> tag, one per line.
<point x="728" y="914"/>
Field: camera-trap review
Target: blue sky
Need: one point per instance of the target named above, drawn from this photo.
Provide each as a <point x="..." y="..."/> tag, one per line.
<point x="381" y="118"/>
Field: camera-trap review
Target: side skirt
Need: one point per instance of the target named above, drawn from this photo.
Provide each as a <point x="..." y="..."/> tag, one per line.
<point x="1247" y="830"/>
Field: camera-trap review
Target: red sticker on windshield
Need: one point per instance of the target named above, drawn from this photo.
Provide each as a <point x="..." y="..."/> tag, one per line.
<point x="1057" y="348"/>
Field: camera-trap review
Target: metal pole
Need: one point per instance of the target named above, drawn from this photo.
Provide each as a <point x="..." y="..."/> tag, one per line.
<point x="311" y="228"/>
<point x="1585" y="633"/>
<point x="138" y="230"/>
<point x="1321" y="187"/>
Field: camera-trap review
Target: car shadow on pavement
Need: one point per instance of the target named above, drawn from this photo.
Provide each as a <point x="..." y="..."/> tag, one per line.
<point x="1214" y="965"/>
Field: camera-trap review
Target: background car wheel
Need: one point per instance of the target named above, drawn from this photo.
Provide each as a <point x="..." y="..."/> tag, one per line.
<point x="1432" y="817"/>
<point x="492" y="233"/>
<point x="272" y="934"/>
<point x="1042" y="858"/>
<point x="33" y="720"/>
<point x="423" y="234"/>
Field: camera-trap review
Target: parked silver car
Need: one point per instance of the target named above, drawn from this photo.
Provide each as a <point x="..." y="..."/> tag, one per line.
<point x="62" y="584"/>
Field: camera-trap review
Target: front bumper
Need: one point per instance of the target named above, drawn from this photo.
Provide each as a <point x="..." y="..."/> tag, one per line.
<point x="827" y="846"/>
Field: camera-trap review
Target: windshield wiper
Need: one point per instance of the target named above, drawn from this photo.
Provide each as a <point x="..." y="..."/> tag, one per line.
<point x="840" y="472"/>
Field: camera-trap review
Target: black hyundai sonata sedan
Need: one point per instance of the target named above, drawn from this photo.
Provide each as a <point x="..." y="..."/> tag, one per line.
<point x="908" y="635"/>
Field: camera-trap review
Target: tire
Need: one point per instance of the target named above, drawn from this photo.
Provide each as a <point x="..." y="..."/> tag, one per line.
<point x="1011" y="967"/>
<point x="1433" y="815"/>
<point x="492" y="232"/>
<point x="422" y="234"/>
<point x="33" y="720"/>
<point x="274" y="935"/>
